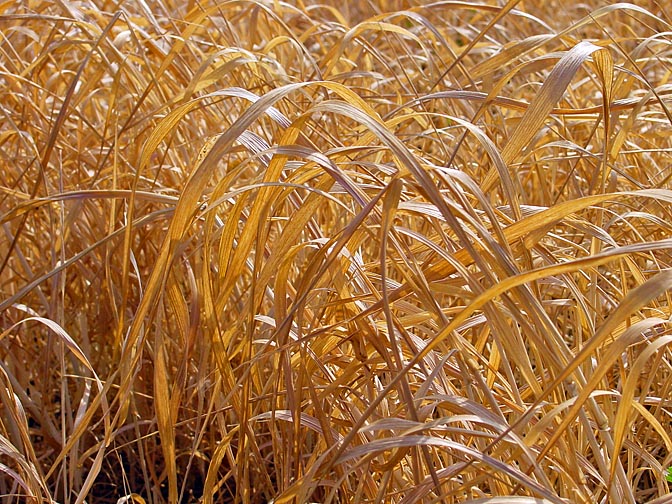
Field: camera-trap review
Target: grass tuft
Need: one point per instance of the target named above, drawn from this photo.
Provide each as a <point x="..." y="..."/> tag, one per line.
<point x="292" y="252"/>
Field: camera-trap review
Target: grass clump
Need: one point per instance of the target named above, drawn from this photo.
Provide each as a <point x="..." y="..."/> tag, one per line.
<point x="310" y="252"/>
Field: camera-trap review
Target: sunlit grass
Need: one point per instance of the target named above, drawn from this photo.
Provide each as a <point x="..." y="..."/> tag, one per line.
<point x="294" y="252"/>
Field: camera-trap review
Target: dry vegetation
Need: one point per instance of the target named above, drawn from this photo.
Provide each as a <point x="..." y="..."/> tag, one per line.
<point x="257" y="251"/>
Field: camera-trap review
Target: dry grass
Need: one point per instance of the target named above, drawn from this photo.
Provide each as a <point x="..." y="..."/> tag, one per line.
<point x="254" y="251"/>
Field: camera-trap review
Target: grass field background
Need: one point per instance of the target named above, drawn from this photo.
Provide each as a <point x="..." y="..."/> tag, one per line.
<point x="290" y="252"/>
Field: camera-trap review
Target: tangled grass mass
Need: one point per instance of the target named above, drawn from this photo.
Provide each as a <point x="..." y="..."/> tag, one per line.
<point x="395" y="251"/>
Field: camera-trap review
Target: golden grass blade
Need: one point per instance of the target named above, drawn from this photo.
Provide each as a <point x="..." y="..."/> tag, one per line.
<point x="212" y="479"/>
<point x="487" y="296"/>
<point x="81" y="426"/>
<point x="16" y="478"/>
<point x="35" y="203"/>
<point x="503" y="11"/>
<point x="628" y="402"/>
<point x="620" y="105"/>
<point x="550" y="93"/>
<point x="73" y="260"/>
<point x="17" y="424"/>
<point x="508" y="500"/>
<point x="532" y="228"/>
<point x="382" y="445"/>
<point x="32" y="483"/>
<point x="508" y="54"/>
<point x="633" y="301"/>
<point x="305" y="420"/>
<point x="92" y="475"/>
<point x="336" y="53"/>
<point x="165" y="420"/>
<point x="654" y="423"/>
<point x="18" y="434"/>
<point x="45" y="156"/>
<point x="65" y="338"/>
